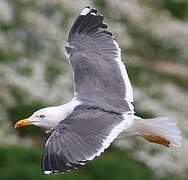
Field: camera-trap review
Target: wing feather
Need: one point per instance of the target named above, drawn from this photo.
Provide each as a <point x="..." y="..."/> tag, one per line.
<point x="82" y="136"/>
<point x="95" y="58"/>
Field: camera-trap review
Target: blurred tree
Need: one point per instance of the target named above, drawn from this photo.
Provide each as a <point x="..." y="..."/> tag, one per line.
<point x="34" y="73"/>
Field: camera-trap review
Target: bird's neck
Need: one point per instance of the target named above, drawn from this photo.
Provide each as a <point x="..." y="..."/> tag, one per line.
<point x="68" y="108"/>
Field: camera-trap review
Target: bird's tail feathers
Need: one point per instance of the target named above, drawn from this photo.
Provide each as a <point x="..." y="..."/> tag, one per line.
<point x="159" y="130"/>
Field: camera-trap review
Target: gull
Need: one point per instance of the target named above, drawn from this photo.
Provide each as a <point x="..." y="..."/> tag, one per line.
<point x="101" y="107"/>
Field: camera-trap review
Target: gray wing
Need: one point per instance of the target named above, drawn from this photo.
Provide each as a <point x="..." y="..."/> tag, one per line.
<point x="96" y="61"/>
<point x="83" y="135"/>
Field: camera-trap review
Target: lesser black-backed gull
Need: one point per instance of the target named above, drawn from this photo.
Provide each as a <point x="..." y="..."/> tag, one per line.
<point x="102" y="104"/>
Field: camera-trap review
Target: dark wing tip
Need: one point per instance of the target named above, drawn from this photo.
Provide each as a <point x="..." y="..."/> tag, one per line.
<point x="55" y="160"/>
<point x="87" y="10"/>
<point x="49" y="164"/>
<point x="88" y="22"/>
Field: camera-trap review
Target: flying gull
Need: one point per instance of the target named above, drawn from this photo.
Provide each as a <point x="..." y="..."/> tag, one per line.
<point x="101" y="108"/>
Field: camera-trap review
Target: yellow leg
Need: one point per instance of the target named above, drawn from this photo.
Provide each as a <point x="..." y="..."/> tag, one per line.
<point x="157" y="139"/>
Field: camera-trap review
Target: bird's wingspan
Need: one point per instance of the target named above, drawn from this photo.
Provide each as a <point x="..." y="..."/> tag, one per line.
<point x="82" y="136"/>
<point x="95" y="58"/>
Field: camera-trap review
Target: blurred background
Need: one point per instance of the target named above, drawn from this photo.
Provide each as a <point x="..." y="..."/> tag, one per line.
<point x="34" y="73"/>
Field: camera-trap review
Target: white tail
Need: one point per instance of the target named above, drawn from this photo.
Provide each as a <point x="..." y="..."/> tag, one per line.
<point x="159" y="130"/>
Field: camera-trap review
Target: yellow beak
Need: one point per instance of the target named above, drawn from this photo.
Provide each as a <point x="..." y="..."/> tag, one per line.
<point x="22" y="123"/>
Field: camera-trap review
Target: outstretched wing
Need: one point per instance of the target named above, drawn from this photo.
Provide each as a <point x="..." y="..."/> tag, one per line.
<point x="82" y="136"/>
<point x="95" y="57"/>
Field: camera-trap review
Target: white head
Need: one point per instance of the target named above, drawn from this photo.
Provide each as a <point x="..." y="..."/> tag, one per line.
<point x="46" y="118"/>
<point x="49" y="117"/>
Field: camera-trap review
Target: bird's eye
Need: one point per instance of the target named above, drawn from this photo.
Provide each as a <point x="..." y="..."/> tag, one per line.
<point x="42" y="116"/>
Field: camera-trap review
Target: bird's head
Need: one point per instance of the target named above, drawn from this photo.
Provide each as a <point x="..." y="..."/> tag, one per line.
<point x="45" y="118"/>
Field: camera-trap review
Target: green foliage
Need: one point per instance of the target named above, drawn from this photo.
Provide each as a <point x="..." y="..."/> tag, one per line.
<point x="143" y="114"/>
<point x="22" y="111"/>
<point x="6" y="27"/>
<point x="24" y="163"/>
<point x="142" y="80"/>
<point x="148" y="46"/>
<point x="6" y="56"/>
<point x="52" y="72"/>
<point x="100" y="3"/>
<point x="25" y="70"/>
<point x="177" y="8"/>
